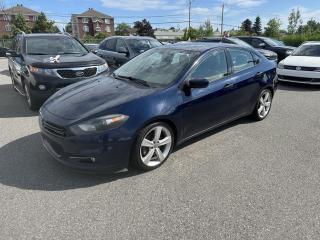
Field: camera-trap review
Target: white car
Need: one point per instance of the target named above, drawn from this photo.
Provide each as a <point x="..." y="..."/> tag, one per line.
<point x="303" y="66"/>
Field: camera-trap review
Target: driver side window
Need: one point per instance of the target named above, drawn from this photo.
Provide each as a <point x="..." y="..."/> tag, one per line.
<point x="214" y="67"/>
<point x="256" y="43"/>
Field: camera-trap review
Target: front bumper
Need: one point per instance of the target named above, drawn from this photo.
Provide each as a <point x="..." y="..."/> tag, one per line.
<point x="94" y="152"/>
<point x="294" y="76"/>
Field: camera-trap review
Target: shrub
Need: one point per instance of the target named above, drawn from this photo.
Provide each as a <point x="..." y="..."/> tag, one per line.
<point x="297" y="39"/>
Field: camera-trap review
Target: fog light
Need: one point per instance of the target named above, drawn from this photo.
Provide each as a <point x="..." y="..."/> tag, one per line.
<point x="42" y="87"/>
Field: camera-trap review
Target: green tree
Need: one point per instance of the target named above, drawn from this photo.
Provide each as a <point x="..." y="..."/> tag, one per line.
<point x="294" y="21"/>
<point x="68" y="28"/>
<point x="273" y="28"/>
<point x="123" y="29"/>
<point x="144" y="28"/>
<point x="311" y="27"/>
<point x="257" y="26"/>
<point x="43" y="25"/>
<point x="19" y="24"/>
<point x="246" y="26"/>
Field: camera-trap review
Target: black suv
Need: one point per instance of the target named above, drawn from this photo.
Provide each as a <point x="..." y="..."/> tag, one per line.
<point x="41" y="64"/>
<point x="272" y="56"/>
<point x="273" y="45"/>
<point x="120" y="49"/>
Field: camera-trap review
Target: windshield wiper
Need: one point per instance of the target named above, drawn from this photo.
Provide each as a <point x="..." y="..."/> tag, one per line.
<point x="142" y="82"/>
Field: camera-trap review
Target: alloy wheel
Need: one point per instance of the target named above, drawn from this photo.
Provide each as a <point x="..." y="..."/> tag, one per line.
<point x="264" y="104"/>
<point x="155" y="146"/>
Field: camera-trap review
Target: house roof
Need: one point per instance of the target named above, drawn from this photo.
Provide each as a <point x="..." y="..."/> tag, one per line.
<point x="92" y="13"/>
<point x="20" y="9"/>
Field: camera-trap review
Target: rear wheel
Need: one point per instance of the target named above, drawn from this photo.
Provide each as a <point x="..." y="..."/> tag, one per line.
<point x="33" y="104"/>
<point x="153" y="146"/>
<point x="263" y="106"/>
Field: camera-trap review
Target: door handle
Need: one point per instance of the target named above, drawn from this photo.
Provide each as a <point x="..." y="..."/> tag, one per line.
<point x="259" y="74"/>
<point x="228" y="85"/>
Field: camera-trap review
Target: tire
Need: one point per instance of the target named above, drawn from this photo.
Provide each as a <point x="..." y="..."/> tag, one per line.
<point x="33" y="104"/>
<point x="263" y="106"/>
<point x="153" y="146"/>
<point x="12" y="80"/>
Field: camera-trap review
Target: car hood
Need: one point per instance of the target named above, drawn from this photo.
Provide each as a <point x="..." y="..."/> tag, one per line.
<point x="302" y="61"/>
<point x="65" y="61"/>
<point x="92" y="97"/>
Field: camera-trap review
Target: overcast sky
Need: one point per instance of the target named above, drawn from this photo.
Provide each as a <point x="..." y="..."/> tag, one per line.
<point x="166" y="13"/>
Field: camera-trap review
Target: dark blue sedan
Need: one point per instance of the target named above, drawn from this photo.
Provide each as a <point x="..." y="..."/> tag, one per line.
<point x="155" y="102"/>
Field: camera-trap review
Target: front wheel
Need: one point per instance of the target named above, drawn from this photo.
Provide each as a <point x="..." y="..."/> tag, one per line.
<point x="33" y="104"/>
<point x="263" y="106"/>
<point x="153" y="146"/>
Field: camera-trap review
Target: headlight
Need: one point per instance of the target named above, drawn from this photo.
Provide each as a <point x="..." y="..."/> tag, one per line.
<point x="100" y="124"/>
<point x="42" y="71"/>
<point x="281" y="65"/>
<point x="102" y="68"/>
<point x="289" y="52"/>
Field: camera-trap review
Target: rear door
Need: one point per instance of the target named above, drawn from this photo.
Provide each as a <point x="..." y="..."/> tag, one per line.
<point x="107" y="51"/>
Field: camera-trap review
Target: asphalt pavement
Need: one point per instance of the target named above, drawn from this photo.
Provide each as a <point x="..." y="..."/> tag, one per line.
<point x="247" y="180"/>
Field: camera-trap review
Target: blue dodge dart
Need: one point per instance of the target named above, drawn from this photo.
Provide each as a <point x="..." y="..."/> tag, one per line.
<point x="153" y="103"/>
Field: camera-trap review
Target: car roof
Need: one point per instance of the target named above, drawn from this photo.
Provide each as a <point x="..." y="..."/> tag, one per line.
<point x="131" y="37"/>
<point x="200" y="46"/>
<point x="45" y="35"/>
<point x="312" y="43"/>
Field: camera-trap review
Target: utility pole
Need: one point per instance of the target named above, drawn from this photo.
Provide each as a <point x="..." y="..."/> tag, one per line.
<point x="222" y="16"/>
<point x="189" y="14"/>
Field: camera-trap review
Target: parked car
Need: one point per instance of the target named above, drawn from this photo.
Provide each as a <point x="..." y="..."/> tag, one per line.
<point x="273" y="45"/>
<point x="272" y="56"/>
<point x="155" y="102"/>
<point x="120" y="49"/>
<point x="41" y="64"/>
<point x="303" y="66"/>
<point x="3" y="51"/>
<point x="92" y="47"/>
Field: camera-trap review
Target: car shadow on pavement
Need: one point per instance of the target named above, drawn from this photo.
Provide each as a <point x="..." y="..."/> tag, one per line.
<point x="296" y="87"/>
<point x="5" y="73"/>
<point x="25" y="164"/>
<point x="12" y="104"/>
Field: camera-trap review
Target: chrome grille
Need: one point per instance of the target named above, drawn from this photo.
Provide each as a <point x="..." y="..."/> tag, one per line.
<point x="77" y="73"/>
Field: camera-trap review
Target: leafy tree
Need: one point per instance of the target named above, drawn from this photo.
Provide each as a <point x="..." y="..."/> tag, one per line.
<point x="172" y="28"/>
<point x="43" y="25"/>
<point x="68" y="28"/>
<point x="205" y="30"/>
<point x="257" y="26"/>
<point x="273" y="28"/>
<point x="144" y="28"/>
<point x="123" y="29"/>
<point x="295" y="21"/>
<point x="311" y="27"/>
<point x="19" y="24"/>
<point x="246" y="26"/>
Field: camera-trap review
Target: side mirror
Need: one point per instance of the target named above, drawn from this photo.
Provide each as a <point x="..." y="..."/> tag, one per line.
<point x="123" y="50"/>
<point x="262" y="45"/>
<point x="11" y="53"/>
<point x="198" y="83"/>
<point x="94" y="51"/>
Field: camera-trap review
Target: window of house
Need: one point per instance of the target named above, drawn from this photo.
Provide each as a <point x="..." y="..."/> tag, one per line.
<point x="8" y="28"/>
<point x="241" y="59"/>
<point x="107" y="21"/>
<point x="7" y="17"/>
<point x="98" y="29"/>
<point x="212" y="68"/>
<point x="85" y="20"/>
<point x="108" y="29"/>
<point x="85" y="28"/>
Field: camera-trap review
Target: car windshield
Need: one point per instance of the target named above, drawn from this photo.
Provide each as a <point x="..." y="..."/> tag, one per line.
<point x="157" y="67"/>
<point x="273" y="42"/>
<point x="308" y="50"/>
<point x="240" y="42"/>
<point x="53" y="45"/>
<point x="142" y="45"/>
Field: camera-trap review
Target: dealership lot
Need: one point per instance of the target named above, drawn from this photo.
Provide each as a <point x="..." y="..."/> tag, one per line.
<point x="248" y="180"/>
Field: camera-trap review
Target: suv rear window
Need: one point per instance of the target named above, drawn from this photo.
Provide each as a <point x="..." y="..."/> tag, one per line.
<point x="53" y="45"/>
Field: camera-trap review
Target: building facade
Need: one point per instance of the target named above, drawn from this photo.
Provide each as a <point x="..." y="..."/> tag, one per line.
<point x="91" y="23"/>
<point x="8" y="15"/>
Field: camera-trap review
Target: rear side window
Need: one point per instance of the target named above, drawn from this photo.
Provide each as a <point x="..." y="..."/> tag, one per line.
<point x="109" y="45"/>
<point x="120" y="44"/>
<point x="241" y="59"/>
<point x="256" y="42"/>
<point x="212" y="68"/>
